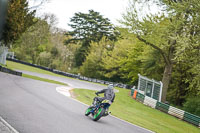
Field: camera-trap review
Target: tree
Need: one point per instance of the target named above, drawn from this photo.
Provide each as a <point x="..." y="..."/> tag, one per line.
<point x="175" y="36"/>
<point x="188" y="52"/>
<point x="88" y="27"/>
<point x="18" y="19"/>
<point x="161" y="28"/>
<point x="113" y="63"/>
<point x="129" y="57"/>
<point x="91" y="27"/>
<point x="92" y="65"/>
<point x="33" y="41"/>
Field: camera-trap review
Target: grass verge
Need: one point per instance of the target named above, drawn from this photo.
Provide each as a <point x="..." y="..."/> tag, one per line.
<point x="19" y="66"/>
<point x="43" y="79"/>
<point x="134" y="112"/>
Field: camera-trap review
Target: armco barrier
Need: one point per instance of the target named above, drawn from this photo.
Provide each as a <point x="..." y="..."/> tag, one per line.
<point x="150" y="101"/>
<point x="188" y="117"/>
<point x="140" y="97"/>
<point x="192" y="118"/>
<point x="6" y="70"/>
<point x="176" y="112"/>
<point x="162" y="107"/>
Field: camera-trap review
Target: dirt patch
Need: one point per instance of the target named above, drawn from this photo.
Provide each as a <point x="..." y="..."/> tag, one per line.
<point x="73" y="95"/>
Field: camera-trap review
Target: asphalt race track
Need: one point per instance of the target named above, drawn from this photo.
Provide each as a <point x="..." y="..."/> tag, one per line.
<point x="32" y="106"/>
<point x="74" y="83"/>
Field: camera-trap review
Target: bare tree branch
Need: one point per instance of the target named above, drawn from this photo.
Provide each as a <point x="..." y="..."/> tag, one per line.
<point x="155" y="47"/>
<point x="37" y="3"/>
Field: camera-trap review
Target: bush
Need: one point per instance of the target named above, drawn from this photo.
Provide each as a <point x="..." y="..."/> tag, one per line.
<point x="192" y="105"/>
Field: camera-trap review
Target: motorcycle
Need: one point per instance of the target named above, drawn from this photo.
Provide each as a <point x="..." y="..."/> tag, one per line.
<point x="99" y="109"/>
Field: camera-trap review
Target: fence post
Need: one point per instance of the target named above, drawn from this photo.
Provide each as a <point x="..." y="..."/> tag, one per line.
<point x="3" y="54"/>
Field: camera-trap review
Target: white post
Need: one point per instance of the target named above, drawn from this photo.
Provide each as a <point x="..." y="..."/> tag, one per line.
<point x="139" y="82"/>
<point x="161" y="86"/>
<point x="152" y="89"/>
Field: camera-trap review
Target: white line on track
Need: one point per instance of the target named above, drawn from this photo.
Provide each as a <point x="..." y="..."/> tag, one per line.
<point x="64" y="90"/>
<point x="8" y="125"/>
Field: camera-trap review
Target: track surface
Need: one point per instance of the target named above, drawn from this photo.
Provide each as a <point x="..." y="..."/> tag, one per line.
<point x="32" y="106"/>
<point x="74" y="83"/>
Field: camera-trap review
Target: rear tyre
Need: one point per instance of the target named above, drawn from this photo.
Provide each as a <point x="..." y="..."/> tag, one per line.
<point x="100" y="112"/>
<point x="87" y="112"/>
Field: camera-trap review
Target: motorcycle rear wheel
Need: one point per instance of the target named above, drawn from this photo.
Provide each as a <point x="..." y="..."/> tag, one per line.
<point x="100" y="112"/>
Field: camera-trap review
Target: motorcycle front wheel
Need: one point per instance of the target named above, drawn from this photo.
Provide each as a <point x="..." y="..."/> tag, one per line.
<point x="87" y="112"/>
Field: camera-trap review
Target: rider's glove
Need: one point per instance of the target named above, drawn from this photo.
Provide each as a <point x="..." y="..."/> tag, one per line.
<point x="96" y="93"/>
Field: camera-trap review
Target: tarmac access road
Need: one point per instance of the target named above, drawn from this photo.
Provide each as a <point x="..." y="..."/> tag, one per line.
<point x="32" y="106"/>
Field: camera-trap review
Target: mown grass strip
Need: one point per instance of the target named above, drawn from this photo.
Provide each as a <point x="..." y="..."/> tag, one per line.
<point x="43" y="79"/>
<point x="19" y="66"/>
<point x="134" y="112"/>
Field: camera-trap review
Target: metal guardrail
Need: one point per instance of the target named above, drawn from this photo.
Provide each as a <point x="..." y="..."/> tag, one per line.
<point x="176" y="112"/>
<point x="150" y="102"/>
<point x="7" y="70"/>
<point x="162" y="107"/>
<point x="192" y="118"/>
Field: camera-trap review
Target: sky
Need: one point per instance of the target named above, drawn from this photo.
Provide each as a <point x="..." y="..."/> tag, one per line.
<point x="65" y="9"/>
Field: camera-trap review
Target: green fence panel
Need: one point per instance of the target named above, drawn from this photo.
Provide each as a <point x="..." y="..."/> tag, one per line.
<point x="142" y="84"/>
<point x="140" y="97"/>
<point x="162" y="107"/>
<point x="156" y="92"/>
<point x="191" y="118"/>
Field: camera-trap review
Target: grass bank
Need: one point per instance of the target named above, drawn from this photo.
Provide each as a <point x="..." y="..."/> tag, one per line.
<point x="134" y="112"/>
<point x="19" y="66"/>
<point x="43" y="79"/>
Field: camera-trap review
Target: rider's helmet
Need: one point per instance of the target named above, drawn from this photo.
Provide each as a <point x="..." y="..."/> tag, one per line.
<point x="110" y="86"/>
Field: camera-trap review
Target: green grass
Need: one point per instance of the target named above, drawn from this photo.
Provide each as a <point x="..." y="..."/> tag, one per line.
<point x="14" y="65"/>
<point x="134" y="112"/>
<point x="19" y="66"/>
<point x="43" y="79"/>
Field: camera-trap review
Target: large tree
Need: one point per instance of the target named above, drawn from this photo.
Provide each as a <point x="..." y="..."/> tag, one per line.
<point x="19" y="18"/>
<point x="88" y="27"/>
<point x="174" y="35"/>
<point x="91" y="27"/>
<point x="155" y="31"/>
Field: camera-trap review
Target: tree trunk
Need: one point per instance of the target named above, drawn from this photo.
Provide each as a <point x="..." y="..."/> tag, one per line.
<point x="166" y="80"/>
<point x="168" y="64"/>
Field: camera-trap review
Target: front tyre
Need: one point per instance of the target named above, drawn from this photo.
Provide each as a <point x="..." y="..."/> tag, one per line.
<point x="98" y="114"/>
<point x="87" y="112"/>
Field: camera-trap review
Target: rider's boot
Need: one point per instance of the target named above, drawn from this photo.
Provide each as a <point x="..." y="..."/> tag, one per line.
<point x="107" y="112"/>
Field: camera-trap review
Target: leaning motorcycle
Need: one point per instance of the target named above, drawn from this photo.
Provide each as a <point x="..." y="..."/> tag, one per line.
<point x="99" y="109"/>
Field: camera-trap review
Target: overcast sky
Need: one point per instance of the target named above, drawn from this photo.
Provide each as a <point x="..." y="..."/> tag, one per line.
<point x="65" y="9"/>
